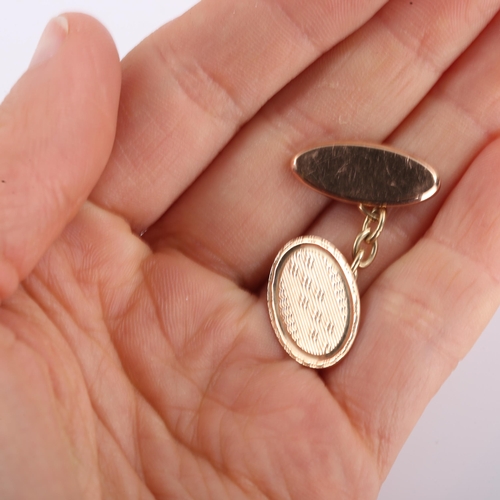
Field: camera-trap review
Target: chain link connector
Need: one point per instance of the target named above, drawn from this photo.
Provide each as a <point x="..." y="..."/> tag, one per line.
<point x="369" y="236"/>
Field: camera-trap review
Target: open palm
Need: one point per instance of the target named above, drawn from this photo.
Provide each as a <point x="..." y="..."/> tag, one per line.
<point x="142" y="364"/>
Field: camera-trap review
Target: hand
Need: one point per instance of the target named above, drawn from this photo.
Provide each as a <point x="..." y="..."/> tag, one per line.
<point x="133" y="367"/>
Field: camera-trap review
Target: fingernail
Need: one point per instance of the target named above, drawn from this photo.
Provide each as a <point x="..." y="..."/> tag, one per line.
<point x="52" y="38"/>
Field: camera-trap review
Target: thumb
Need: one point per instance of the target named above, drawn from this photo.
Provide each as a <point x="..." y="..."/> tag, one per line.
<point x="57" y="128"/>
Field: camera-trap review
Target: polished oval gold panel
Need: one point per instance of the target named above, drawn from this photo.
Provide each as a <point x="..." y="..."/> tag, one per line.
<point x="372" y="175"/>
<point x="313" y="302"/>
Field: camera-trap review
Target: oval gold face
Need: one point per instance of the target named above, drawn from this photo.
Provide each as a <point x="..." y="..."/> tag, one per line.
<point x="313" y="302"/>
<point x="370" y="174"/>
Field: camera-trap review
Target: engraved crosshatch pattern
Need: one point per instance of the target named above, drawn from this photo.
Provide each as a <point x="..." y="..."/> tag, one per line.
<point x="312" y="301"/>
<point x="311" y="285"/>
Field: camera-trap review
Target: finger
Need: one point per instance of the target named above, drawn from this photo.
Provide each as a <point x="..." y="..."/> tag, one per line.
<point x="447" y="129"/>
<point x="238" y="214"/>
<point x="56" y="132"/>
<point x="192" y="84"/>
<point x="424" y="313"/>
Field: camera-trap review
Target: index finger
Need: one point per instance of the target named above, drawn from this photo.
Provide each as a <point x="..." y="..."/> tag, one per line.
<point x="189" y="87"/>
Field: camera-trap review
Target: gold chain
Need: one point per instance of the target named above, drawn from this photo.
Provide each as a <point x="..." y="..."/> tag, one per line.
<point x="369" y="236"/>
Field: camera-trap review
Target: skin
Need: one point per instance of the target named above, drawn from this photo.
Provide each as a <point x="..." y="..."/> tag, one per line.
<point x="146" y="366"/>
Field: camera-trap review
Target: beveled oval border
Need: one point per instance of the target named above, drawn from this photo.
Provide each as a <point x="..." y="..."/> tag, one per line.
<point x="288" y="344"/>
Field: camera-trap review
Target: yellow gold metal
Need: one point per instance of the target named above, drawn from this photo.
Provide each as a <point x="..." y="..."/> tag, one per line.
<point x="371" y="174"/>
<point x="355" y="263"/>
<point x="312" y="295"/>
<point x="368" y="211"/>
<point x="356" y="250"/>
<point x="313" y="302"/>
<point x="368" y="236"/>
<point x="376" y="215"/>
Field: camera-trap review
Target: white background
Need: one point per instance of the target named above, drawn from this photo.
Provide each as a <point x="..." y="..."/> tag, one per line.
<point x="454" y="452"/>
